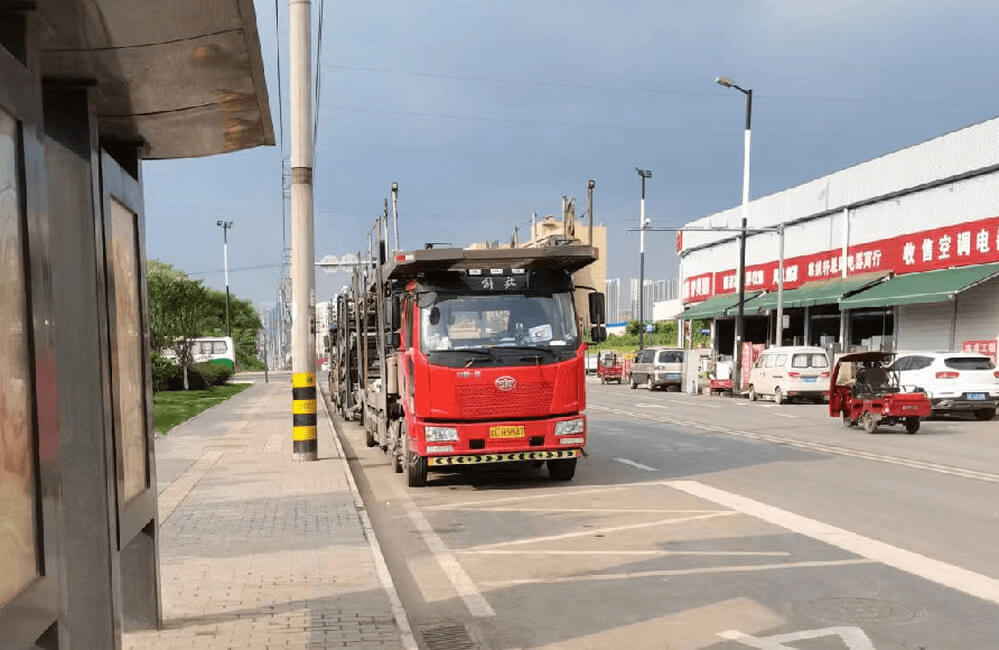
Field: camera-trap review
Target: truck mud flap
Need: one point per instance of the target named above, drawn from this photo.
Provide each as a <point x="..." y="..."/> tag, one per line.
<point x="479" y="459"/>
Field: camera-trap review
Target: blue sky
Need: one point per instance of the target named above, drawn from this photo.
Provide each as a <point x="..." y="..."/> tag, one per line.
<point x="485" y="111"/>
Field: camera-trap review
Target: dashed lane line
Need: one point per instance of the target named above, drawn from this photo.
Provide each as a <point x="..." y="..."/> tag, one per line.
<point x="948" y="575"/>
<point x="632" y="463"/>
<point x="911" y="463"/>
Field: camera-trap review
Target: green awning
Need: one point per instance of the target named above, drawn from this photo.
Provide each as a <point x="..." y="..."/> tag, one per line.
<point x="716" y="307"/>
<point x="820" y="292"/>
<point x="919" y="288"/>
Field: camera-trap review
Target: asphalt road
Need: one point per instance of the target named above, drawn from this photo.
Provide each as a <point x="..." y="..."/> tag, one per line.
<point x="701" y="522"/>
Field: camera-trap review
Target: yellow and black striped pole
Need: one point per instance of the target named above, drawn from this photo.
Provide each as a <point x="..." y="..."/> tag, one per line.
<point x="303" y="416"/>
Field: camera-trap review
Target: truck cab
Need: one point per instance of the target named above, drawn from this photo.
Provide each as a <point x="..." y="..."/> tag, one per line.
<point x="490" y="359"/>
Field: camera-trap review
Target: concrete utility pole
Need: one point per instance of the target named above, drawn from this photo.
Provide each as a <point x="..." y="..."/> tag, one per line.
<point x="303" y="274"/>
<point x="225" y="226"/>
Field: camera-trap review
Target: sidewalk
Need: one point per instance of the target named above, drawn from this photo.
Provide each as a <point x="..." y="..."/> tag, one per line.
<point x="257" y="551"/>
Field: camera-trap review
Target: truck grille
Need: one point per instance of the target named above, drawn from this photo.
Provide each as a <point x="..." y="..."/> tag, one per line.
<point x="528" y="399"/>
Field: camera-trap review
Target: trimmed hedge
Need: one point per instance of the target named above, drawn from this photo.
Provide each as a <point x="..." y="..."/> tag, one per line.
<point x="169" y="376"/>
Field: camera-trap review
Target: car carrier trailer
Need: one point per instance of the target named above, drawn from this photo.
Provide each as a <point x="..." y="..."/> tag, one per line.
<point x="451" y="357"/>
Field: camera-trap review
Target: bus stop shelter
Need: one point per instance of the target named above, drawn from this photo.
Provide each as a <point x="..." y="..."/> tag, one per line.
<point x="88" y="89"/>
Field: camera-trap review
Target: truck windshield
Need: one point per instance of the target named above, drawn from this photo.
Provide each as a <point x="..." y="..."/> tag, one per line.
<point x="462" y="322"/>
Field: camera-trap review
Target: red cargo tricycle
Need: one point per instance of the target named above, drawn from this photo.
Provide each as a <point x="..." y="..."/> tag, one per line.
<point x="609" y="367"/>
<point x="865" y="392"/>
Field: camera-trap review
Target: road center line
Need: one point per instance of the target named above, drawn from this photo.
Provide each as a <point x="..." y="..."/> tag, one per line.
<point x="636" y="465"/>
<point x="812" y="446"/>
<point x="948" y="575"/>
<point x="602" y="531"/>
<point x="785" y="415"/>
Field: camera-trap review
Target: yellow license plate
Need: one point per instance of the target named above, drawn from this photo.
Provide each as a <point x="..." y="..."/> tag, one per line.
<point x="506" y="432"/>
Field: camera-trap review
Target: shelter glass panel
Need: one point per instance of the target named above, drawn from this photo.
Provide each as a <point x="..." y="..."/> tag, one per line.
<point x="128" y="350"/>
<point x="18" y="505"/>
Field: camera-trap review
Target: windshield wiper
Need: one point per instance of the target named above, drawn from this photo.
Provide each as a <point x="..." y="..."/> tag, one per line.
<point x="472" y="360"/>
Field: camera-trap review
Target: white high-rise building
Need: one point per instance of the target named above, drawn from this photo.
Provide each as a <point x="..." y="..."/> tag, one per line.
<point x="613" y="298"/>
<point x="654" y="291"/>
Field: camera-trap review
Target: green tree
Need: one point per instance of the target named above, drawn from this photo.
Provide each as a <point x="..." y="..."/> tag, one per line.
<point x="633" y="327"/>
<point x="177" y="312"/>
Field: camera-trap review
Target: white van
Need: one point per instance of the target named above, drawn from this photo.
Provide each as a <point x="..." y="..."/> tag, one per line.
<point x="790" y="372"/>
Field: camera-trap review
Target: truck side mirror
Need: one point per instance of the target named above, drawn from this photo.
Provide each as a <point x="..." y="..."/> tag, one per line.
<point x="598" y="333"/>
<point x="598" y="314"/>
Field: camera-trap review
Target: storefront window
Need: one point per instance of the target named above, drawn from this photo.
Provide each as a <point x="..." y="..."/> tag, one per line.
<point x="18" y="526"/>
<point x="128" y="352"/>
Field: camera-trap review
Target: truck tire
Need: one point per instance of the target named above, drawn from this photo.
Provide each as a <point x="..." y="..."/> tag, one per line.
<point x="397" y="457"/>
<point x="870" y="424"/>
<point x="416" y="466"/>
<point x="562" y="470"/>
<point x="911" y="425"/>
<point x="632" y="382"/>
<point x="985" y="414"/>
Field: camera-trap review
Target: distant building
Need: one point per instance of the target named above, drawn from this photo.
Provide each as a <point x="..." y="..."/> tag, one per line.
<point x="653" y="291"/>
<point x="612" y="292"/>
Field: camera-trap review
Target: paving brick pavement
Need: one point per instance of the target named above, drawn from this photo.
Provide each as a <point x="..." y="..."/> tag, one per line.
<point x="257" y="551"/>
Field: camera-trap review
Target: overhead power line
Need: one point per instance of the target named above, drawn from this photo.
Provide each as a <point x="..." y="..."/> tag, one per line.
<point x="636" y="89"/>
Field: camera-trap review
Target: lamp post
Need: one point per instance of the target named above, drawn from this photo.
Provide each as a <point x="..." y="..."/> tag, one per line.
<point x="643" y="223"/>
<point x="741" y="273"/>
<point x="225" y="226"/>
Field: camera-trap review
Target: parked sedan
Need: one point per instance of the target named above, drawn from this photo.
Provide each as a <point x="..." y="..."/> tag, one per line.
<point x="954" y="381"/>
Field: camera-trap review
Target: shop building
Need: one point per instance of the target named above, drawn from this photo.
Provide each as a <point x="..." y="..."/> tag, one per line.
<point x="899" y="252"/>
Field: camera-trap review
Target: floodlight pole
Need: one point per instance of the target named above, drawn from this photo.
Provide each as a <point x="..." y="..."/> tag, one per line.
<point x="644" y="174"/>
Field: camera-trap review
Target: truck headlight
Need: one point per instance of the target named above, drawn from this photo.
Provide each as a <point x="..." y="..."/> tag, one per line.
<point x="569" y="427"/>
<point x="440" y="434"/>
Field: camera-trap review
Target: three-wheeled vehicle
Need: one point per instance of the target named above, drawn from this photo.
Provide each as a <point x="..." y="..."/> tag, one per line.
<point x="609" y="367"/>
<point x="865" y="392"/>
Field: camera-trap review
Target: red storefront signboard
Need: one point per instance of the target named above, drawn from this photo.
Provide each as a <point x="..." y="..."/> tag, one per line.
<point x="964" y="244"/>
<point x="988" y="348"/>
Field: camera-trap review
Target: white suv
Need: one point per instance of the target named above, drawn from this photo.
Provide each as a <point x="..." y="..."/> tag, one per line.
<point x="954" y="381"/>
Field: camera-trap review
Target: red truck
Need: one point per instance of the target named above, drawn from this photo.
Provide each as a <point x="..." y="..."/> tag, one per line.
<point x="471" y="356"/>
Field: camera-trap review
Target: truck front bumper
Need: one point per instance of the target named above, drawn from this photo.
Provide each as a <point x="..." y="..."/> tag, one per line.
<point x="502" y="440"/>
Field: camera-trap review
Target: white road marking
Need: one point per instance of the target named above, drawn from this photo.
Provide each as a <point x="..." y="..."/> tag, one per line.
<point x="636" y="465"/>
<point x="613" y="511"/>
<point x="852" y="637"/>
<point x="812" y="446"/>
<point x="543" y="551"/>
<point x="785" y="415"/>
<point x="948" y="575"/>
<point x="570" y="492"/>
<point x="474" y="600"/>
<point x="666" y="573"/>
<point x="609" y="529"/>
<point x="643" y="405"/>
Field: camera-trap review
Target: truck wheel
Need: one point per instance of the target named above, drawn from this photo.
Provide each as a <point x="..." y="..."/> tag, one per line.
<point x="632" y="382"/>
<point x="416" y="466"/>
<point x="562" y="470"/>
<point x="870" y="424"/>
<point x="911" y="425"/>
<point x="985" y="414"/>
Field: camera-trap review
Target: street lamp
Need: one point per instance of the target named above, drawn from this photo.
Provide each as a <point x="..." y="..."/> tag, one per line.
<point x="741" y="273"/>
<point x="225" y="226"/>
<point x="643" y="223"/>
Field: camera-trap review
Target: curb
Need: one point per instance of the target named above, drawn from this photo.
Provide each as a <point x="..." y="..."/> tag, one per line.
<point x="381" y="567"/>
